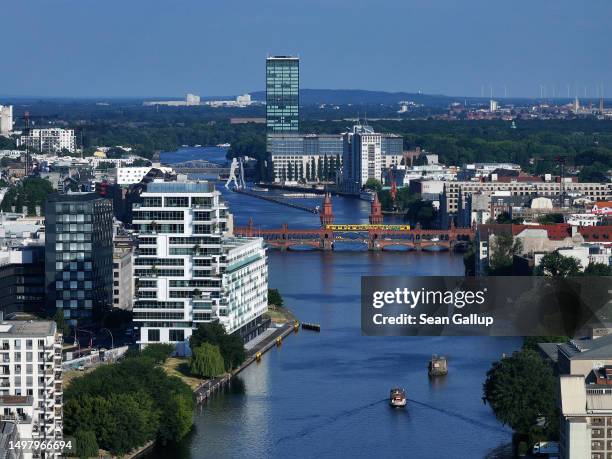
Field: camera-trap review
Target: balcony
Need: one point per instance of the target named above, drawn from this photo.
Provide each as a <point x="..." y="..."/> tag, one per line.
<point x="20" y="418"/>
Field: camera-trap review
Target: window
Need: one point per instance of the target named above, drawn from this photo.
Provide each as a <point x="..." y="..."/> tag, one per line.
<point x="177" y="335"/>
<point x="153" y="335"/>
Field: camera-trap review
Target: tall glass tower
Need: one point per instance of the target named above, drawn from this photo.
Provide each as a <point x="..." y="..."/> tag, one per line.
<point x="79" y="256"/>
<point x="282" y="93"/>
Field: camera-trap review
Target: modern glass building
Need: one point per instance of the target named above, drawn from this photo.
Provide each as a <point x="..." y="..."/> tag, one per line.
<point x="79" y="256"/>
<point x="282" y="93"/>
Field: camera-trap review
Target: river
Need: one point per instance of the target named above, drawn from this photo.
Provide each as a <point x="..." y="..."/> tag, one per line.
<point x="326" y="394"/>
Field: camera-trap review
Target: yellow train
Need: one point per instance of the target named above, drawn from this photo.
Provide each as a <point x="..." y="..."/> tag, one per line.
<point x="367" y="227"/>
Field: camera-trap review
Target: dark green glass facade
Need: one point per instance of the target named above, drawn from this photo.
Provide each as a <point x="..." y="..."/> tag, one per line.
<point x="282" y="93"/>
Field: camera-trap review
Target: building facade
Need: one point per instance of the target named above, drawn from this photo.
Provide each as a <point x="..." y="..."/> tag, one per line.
<point x="123" y="278"/>
<point x="189" y="270"/>
<point x="282" y="93"/>
<point x="31" y="378"/>
<point x="22" y="279"/>
<point x="454" y="197"/>
<point x="6" y="120"/>
<point x="363" y="156"/>
<point x="311" y="158"/>
<point x="49" y="140"/>
<point x="79" y="256"/>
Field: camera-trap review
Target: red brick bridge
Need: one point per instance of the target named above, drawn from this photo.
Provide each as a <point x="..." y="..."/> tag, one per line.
<point x="376" y="235"/>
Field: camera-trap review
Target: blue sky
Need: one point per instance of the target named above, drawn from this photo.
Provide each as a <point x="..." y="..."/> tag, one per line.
<point x="218" y="47"/>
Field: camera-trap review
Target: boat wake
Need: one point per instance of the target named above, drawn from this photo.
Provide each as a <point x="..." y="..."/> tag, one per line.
<point x="474" y="422"/>
<point x="330" y="420"/>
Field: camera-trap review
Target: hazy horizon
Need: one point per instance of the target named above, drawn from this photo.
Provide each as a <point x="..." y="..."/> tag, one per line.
<point x="137" y="49"/>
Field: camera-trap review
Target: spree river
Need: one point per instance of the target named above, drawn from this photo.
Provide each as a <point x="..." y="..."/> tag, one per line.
<point x="326" y="394"/>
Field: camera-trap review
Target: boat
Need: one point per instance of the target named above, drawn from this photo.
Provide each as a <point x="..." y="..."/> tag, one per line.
<point x="437" y="366"/>
<point x="256" y="188"/>
<point x="224" y="145"/>
<point x="397" y="397"/>
<point x="197" y="145"/>
<point x="367" y="195"/>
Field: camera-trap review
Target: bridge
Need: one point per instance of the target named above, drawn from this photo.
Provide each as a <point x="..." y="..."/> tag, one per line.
<point x="201" y="166"/>
<point x="375" y="235"/>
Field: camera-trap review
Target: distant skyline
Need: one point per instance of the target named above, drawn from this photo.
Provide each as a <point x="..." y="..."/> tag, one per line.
<point x="154" y="48"/>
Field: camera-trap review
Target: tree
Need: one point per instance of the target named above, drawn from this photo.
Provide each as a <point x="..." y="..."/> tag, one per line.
<point x="86" y="444"/>
<point x="501" y="253"/>
<point x="274" y="297"/>
<point x="206" y="361"/>
<point x="555" y="264"/>
<point x="230" y="346"/>
<point x="520" y="389"/>
<point x="550" y="219"/>
<point x="503" y="218"/>
<point x="61" y="323"/>
<point x="598" y="269"/>
<point x="158" y="352"/>
<point x="374" y="185"/>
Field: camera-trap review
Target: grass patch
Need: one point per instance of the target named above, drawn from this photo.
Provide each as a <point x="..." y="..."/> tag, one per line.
<point x="178" y="367"/>
<point x="277" y="315"/>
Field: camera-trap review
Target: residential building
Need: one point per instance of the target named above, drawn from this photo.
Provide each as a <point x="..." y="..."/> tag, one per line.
<point x="49" y="140"/>
<point x="451" y="203"/>
<point x="310" y="157"/>
<point x="31" y="378"/>
<point x="79" y="256"/>
<point x="188" y="268"/>
<point x="282" y="93"/>
<point x="6" y="120"/>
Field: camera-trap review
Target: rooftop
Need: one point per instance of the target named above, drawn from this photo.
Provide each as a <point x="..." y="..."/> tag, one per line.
<point x="35" y="328"/>
<point x="180" y="187"/>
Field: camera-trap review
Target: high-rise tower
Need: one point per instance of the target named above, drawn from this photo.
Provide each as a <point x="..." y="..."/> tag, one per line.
<point x="282" y="93"/>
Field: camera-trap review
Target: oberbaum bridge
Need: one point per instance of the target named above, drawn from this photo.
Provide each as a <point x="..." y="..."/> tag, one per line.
<point x="376" y="235"/>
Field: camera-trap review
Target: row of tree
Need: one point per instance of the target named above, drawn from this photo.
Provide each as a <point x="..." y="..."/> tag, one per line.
<point x="123" y="406"/>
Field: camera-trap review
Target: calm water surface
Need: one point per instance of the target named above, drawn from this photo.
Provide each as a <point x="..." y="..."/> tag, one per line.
<point x="325" y="394"/>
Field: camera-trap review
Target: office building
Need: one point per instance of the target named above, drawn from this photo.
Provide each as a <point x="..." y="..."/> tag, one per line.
<point x="296" y="157"/>
<point x="282" y="93"/>
<point x="190" y="270"/>
<point x="6" y="120"/>
<point x="79" y="256"/>
<point x="31" y="378"/>
<point x="22" y="279"/>
<point x="49" y="140"/>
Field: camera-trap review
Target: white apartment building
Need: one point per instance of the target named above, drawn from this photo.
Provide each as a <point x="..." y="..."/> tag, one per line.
<point x="454" y="190"/>
<point x="31" y="378"/>
<point x="586" y="419"/>
<point x="362" y="158"/>
<point x="49" y="140"/>
<point x="6" y="120"/>
<point x="189" y="270"/>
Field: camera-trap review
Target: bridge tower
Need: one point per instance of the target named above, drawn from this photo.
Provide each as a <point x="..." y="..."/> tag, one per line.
<point x="376" y="216"/>
<point x="327" y="215"/>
